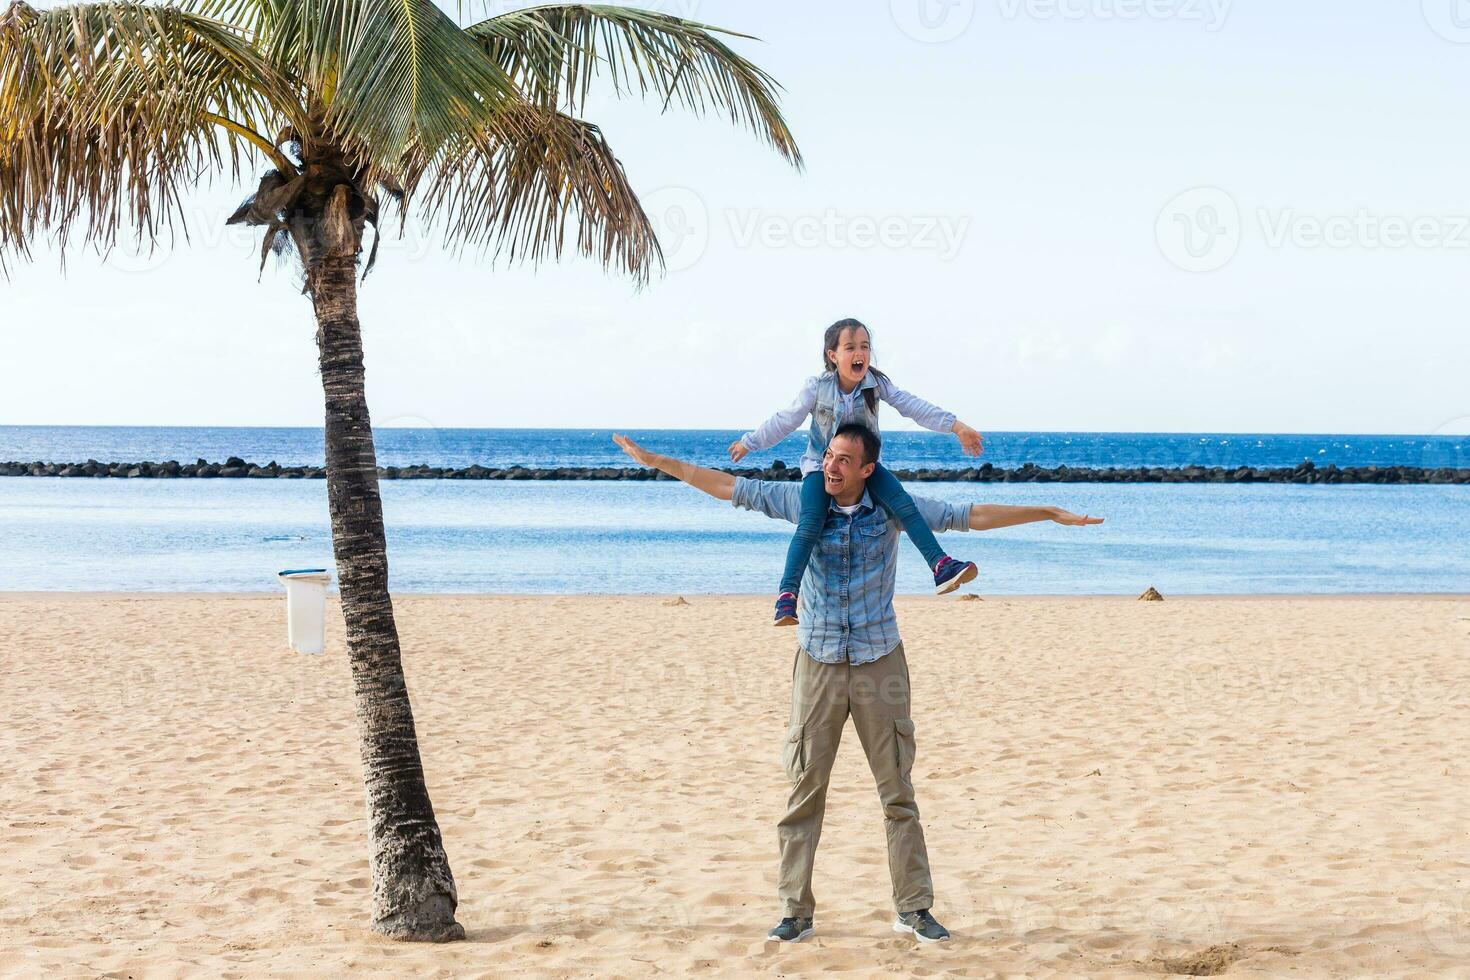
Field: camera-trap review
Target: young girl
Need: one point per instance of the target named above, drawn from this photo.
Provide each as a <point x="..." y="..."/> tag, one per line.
<point x="848" y="390"/>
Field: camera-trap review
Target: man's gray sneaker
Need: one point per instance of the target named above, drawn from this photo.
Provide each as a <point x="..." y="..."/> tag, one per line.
<point x="923" y="925"/>
<point x="791" y="930"/>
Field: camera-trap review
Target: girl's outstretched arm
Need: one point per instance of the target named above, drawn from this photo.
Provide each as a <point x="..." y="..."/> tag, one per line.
<point x="930" y="416"/>
<point x="778" y="426"/>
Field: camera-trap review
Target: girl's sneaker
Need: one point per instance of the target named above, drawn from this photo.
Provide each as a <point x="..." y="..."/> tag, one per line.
<point x="950" y="574"/>
<point x="786" y="609"/>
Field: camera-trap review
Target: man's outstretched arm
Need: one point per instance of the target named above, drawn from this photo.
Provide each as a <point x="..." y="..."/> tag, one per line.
<point x="984" y="517"/>
<point x="941" y="516"/>
<point x="713" y="482"/>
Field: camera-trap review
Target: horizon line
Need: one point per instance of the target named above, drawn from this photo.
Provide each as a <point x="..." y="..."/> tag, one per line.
<point x="645" y="428"/>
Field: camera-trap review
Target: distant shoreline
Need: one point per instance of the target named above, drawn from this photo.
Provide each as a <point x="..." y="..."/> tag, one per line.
<point x="1305" y="472"/>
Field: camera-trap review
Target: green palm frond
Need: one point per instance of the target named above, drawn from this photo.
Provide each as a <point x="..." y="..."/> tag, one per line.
<point x="378" y="74"/>
<point x="109" y="110"/>
<point x="554" y="52"/>
<point x="516" y="198"/>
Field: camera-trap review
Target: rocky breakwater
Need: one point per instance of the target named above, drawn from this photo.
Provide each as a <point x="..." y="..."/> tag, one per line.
<point x="171" y="469"/>
<point x="1306" y="472"/>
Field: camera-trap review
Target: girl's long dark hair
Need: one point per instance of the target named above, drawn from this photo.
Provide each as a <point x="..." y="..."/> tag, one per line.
<point x="829" y="344"/>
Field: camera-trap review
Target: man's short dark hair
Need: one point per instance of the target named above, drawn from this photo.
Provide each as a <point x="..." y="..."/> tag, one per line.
<point x="872" y="445"/>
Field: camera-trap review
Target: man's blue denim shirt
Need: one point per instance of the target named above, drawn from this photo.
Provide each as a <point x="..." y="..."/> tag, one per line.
<point x="846" y="611"/>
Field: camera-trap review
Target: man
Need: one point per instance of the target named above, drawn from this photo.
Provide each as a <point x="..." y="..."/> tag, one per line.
<point x="850" y="662"/>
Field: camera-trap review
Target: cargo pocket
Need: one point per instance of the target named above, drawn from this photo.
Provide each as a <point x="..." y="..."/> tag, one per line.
<point x="793" y="756"/>
<point x="903" y="730"/>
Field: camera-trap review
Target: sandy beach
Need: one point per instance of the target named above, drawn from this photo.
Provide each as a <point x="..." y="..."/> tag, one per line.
<point x="1259" y="786"/>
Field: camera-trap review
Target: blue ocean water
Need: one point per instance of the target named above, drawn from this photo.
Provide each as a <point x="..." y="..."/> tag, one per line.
<point x="526" y="537"/>
<point x="594" y="447"/>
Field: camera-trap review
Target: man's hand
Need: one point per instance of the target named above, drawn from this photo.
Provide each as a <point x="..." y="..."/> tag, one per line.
<point x="1069" y="518"/>
<point x="971" y="441"/>
<point x="713" y="482"/>
<point x="985" y="517"/>
<point x="640" y="455"/>
<point x="738" y="450"/>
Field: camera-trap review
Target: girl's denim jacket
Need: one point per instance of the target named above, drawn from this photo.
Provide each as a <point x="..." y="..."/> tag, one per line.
<point x="822" y="399"/>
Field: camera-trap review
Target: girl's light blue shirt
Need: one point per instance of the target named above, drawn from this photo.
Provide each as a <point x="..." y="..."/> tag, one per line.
<point x="829" y="407"/>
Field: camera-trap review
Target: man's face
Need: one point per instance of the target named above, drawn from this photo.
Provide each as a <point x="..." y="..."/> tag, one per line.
<point x="845" y="470"/>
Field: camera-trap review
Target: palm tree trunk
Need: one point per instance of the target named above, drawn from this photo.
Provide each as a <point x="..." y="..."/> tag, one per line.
<point x="413" y="890"/>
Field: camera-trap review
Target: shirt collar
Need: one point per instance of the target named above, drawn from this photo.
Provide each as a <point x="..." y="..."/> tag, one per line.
<point x="869" y="381"/>
<point x="865" y="503"/>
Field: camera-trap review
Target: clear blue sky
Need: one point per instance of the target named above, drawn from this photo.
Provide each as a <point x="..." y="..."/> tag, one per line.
<point x="993" y="185"/>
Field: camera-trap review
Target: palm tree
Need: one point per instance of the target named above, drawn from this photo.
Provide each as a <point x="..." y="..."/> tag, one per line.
<point x="110" y="111"/>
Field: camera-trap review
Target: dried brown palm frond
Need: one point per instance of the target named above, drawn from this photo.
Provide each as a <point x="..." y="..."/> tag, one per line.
<point x="108" y="111"/>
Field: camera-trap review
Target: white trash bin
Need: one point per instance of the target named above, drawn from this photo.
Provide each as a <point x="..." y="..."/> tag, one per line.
<point x="306" y="608"/>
